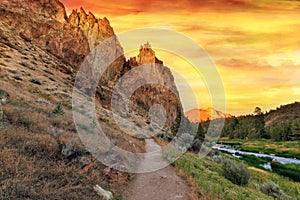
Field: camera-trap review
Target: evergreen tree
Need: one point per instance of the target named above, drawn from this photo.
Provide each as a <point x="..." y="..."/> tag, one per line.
<point x="259" y="123"/>
<point x="200" y="133"/>
<point x="176" y="124"/>
<point x="286" y="131"/>
<point x="59" y="110"/>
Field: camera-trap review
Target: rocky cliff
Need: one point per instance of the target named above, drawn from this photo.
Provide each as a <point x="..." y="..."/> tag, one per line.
<point x="45" y="24"/>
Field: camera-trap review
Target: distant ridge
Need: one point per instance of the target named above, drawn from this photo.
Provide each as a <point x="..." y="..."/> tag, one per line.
<point x="201" y="115"/>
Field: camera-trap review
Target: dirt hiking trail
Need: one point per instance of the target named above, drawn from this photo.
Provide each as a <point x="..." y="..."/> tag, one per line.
<point x="163" y="184"/>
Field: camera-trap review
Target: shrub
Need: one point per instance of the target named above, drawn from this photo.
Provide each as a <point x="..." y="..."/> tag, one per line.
<point x="93" y="124"/>
<point x="117" y="197"/>
<point x="20" y="118"/>
<point x="171" y="153"/>
<point x="165" y="136"/>
<point x="184" y="141"/>
<point x="59" y="110"/>
<point x="217" y="158"/>
<point x="272" y="189"/>
<point x="4" y="97"/>
<point x="236" y="173"/>
<point x="25" y="121"/>
<point x="196" y="146"/>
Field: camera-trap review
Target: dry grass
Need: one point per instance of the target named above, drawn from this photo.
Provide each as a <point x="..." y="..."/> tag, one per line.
<point x="161" y="141"/>
<point x="257" y="170"/>
<point x="32" y="167"/>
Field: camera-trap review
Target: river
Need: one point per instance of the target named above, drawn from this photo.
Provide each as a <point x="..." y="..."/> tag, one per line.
<point x="233" y="151"/>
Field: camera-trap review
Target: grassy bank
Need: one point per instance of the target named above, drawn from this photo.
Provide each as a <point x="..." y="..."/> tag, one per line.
<point x="289" y="149"/>
<point x="209" y="178"/>
<point x="291" y="171"/>
<point x="255" y="161"/>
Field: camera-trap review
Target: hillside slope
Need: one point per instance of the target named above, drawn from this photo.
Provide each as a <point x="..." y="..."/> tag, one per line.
<point x="280" y="124"/>
<point x="285" y="113"/>
<point x="41" y="154"/>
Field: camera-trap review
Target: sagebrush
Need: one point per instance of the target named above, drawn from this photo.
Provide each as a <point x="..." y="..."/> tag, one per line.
<point x="237" y="173"/>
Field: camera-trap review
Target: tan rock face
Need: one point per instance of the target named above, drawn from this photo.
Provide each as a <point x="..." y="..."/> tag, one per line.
<point x="45" y="23"/>
<point x="46" y="9"/>
<point x="146" y="55"/>
<point x="164" y="93"/>
<point x="94" y="29"/>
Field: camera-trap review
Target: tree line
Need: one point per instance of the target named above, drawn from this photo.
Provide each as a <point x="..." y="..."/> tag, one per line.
<point x="282" y="124"/>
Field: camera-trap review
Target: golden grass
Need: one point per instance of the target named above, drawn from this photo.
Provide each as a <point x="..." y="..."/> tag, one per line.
<point x="160" y="141"/>
<point x="257" y="170"/>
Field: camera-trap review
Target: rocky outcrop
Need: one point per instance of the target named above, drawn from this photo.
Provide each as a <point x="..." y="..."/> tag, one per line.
<point x="164" y="92"/>
<point x="46" y="10"/>
<point x="45" y="23"/>
<point x="146" y="55"/>
<point x="94" y="29"/>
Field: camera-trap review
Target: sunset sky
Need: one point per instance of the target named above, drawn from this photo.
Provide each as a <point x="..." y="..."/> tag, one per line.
<point x="254" y="44"/>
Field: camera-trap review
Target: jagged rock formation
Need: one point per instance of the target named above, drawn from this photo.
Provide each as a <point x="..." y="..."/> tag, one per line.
<point x="45" y="24"/>
<point x="164" y="93"/>
<point x="146" y="55"/>
<point x="94" y="29"/>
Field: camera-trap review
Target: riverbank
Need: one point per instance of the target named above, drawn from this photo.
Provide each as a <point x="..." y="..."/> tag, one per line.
<point x="287" y="167"/>
<point x="209" y="179"/>
<point x="288" y="149"/>
<point x="284" y="166"/>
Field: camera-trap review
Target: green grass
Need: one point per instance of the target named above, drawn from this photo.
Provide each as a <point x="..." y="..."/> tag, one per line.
<point x="59" y="110"/>
<point x="288" y="149"/>
<point x="255" y="161"/>
<point x="117" y="197"/>
<point x="291" y="170"/>
<point x="212" y="184"/>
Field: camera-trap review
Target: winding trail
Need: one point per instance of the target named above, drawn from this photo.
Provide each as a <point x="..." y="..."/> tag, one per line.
<point x="163" y="184"/>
